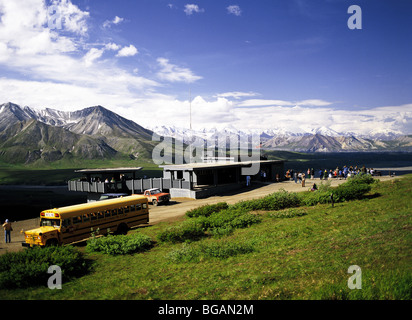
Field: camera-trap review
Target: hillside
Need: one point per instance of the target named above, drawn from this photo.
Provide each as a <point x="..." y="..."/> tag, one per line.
<point x="29" y="136"/>
<point x="296" y="253"/>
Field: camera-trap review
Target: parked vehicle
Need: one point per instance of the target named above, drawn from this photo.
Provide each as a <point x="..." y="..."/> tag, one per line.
<point x="155" y="196"/>
<point x="75" y="223"/>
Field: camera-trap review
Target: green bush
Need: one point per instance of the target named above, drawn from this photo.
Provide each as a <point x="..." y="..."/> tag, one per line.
<point x="350" y="191"/>
<point x="315" y="197"/>
<point x="190" y="230"/>
<point x="230" y="218"/>
<point x="119" y="244"/>
<point x="290" y="213"/>
<point x="218" y="224"/>
<point x="275" y="201"/>
<point x="353" y="189"/>
<point x="207" y="210"/>
<point x="362" y="179"/>
<point x="29" y="267"/>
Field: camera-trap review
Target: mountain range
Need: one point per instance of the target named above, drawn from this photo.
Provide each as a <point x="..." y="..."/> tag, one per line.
<point x="320" y="139"/>
<point x="29" y="135"/>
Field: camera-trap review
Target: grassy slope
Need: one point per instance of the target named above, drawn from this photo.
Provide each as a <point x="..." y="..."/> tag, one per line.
<point x="59" y="173"/>
<point x="297" y="258"/>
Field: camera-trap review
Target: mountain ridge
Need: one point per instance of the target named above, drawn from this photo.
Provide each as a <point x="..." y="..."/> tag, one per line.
<point x="28" y="135"/>
<point x="90" y="133"/>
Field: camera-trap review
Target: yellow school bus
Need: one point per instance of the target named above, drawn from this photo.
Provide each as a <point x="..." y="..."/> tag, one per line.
<point x="75" y="223"/>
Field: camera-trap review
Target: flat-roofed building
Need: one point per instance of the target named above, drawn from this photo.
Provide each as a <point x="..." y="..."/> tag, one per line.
<point x="192" y="180"/>
<point x="206" y="179"/>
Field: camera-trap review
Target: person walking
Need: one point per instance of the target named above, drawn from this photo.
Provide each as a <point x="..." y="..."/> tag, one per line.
<point x="7" y="231"/>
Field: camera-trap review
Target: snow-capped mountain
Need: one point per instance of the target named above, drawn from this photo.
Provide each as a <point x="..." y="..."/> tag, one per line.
<point x="28" y="135"/>
<point x="304" y="139"/>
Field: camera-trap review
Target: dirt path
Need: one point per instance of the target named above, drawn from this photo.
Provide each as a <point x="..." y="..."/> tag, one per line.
<point x="179" y="206"/>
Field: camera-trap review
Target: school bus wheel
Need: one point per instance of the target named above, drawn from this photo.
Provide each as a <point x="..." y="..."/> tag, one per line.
<point x="122" y="228"/>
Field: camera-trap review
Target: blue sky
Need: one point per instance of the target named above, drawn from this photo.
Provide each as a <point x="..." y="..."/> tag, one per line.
<point x="291" y="65"/>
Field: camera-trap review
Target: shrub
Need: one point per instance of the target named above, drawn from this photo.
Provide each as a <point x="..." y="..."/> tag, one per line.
<point x="350" y="191"/>
<point x="354" y="188"/>
<point x="362" y="179"/>
<point x="222" y="219"/>
<point x="207" y="210"/>
<point x="290" y="213"/>
<point x="275" y="201"/>
<point x="315" y="197"/>
<point x="218" y="224"/>
<point x="29" y="267"/>
<point x="119" y="244"/>
<point x="230" y="218"/>
<point x="191" y="230"/>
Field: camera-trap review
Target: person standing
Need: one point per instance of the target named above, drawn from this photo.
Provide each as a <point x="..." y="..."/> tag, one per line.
<point x="7" y="231"/>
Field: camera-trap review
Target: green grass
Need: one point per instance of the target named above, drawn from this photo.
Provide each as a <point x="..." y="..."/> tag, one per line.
<point x="60" y="173"/>
<point x="299" y="253"/>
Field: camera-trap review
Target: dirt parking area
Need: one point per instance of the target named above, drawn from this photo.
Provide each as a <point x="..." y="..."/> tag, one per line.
<point x="178" y="207"/>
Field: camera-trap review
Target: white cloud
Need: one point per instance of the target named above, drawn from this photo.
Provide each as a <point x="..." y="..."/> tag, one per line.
<point x="235" y="10"/>
<point x="237" y="94"/>
<point x="127" y="51"/>
<point x="116" y="20"/>
<point x="172" y="73"/>
<point x="191" y="8"/>
<point x="112" y="46"/>
<point x="92" y="55"/>
<point x="73" y="19"/>
<point x="45" y="67"/>
<point x="23" y="27"/>
<point x="266" y="102"/>
<point x="313" y="103"/>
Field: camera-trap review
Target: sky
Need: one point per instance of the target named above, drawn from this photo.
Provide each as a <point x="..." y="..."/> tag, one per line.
<point x="290" y="65"/>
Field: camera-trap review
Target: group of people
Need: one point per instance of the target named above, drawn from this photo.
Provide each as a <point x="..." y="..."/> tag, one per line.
<point x="345" y="172"/>
<point x="339" y="173"/>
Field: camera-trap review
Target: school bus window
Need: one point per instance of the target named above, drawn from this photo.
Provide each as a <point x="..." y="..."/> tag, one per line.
<point x="49" y="222"/>
<point x="127" y="209"/>
<point x="132" y="208"/>
<point x="107" y="213"/>
<point x="86" y="217"/>
<point x="144" y="205"/>
<point x="94" y="216"/>
<point x="66" y="222"/>
<point x="114" y="212"/>
<point x="121" y="211"/>
<point x="77" y="220"/>
<point x="100" y="215"/>
<point x="138" y="207"/>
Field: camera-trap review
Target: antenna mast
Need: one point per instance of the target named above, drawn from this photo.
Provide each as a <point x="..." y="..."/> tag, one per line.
<point x="190" y="105"/>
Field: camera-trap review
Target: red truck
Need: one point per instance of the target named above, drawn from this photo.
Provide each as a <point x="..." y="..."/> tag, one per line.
<point x="155" y="196"/>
